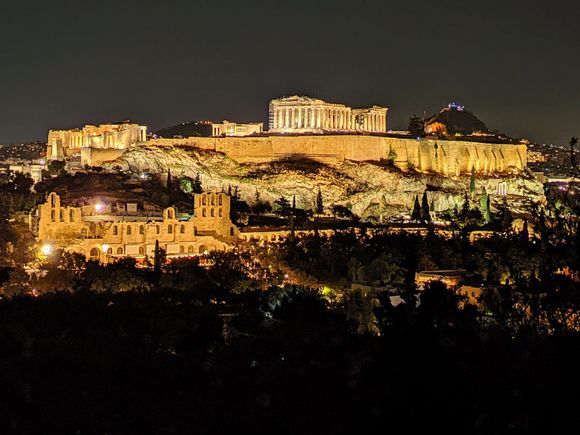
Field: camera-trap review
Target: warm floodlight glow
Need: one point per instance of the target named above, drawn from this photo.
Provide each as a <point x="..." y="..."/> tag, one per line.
<point x="99" y="207"/>
<point x="46" y="249"/>
<point x="105" y="247"/>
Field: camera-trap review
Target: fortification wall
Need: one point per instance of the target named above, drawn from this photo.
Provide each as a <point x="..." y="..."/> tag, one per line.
<point x="446" y="157"/>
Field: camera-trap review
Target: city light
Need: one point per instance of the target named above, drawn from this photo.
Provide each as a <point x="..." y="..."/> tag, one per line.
<point x="46" y="249"/>
<point x="105" y="247"/>
<point x="99" y="207"/>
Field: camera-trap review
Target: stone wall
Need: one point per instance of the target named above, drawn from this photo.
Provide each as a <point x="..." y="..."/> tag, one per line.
<point x="427" y="155"/>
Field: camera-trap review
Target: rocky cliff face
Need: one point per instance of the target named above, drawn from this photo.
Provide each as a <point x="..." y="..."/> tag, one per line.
<point x="369" y="190"/>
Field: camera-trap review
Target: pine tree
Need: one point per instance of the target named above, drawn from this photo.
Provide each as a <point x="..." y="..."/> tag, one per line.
<point x="425" y="215"/>
<point x="158" y="257"/>
<point x="196" y="185"/>
<point x="319" y="203"/>
<point x="472" y="180"/>
<point x="484" y="205"/>
<point x="416" y="213"/>
<point x="487" y="211"/>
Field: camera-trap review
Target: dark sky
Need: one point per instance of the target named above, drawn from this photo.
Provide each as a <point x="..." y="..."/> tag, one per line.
<point x="515" y="64"/>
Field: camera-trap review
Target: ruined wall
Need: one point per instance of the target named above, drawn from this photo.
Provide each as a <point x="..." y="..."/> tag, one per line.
<point x="427" y="155"/>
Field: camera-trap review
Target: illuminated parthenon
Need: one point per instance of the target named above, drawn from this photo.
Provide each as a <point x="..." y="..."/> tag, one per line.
<point x="299" y="114"/>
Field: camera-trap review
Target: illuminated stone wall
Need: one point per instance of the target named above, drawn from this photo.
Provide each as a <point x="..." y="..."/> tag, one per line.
<point x="104" y="236"/>
<point x="446" y="157"/>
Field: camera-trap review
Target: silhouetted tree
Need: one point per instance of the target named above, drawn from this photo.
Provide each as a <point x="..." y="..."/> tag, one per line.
<point x="416" y="213"/>
<point x="425" y="214"/>
<point x="319" y="202"/>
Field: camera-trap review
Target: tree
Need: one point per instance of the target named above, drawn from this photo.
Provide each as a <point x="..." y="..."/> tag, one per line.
<point x="319" y="202"/>
<point x="472" y="180"/>
<point x="424" y="213"/>
<point x="416" y="213"/>
<point x="158" y="257"/>
<point x="196" y="186"/>
<point x="484" y="203"/>
<point x="416" y="126"/>
<point x="283" y="206"/>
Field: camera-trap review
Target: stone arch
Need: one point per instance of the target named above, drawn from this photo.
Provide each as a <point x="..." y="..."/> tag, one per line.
<point x="95" y="253"/>
<point x="202" y="249"/>
<point x="181" y="249"/>
<point x="53" y="200"/>
<point x="119" y="251"/>
<point x="190" y="249"/>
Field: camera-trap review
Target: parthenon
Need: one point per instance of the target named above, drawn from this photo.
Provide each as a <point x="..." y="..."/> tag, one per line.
<point x="298" y="114"/>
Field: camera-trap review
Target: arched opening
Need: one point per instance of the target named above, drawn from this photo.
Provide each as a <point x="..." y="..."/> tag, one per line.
<point x="182" y="229"/>
<point x="95" y="254"/>
<point x="220" y="200"/>
<point x="119" y="251"/>
<point x="212" y="212"/>
<point x="202" y="249"/>
<point x="53" y="200"/>
<point x="170" y="229"/>
<point x="213" y="200"/>
<point x="115" y="230"/>
<point x="203" y="212"/>
<point x="141" y="229"/>
<point x="220" y="212"/>
<point x="203" y="200"/>
<point x="61" y="215"/>
<point x="129" y="230"/>
<point x="141" y="250"/>
<point x="109" y="251"/>
<point x="190" y="249"/>
<point x="182" y="249"/>
<point x="52" y="216"/>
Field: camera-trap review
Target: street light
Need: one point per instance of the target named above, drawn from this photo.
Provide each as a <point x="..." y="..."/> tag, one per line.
<point x="46" y="249"/>
<point x="99" y="207"/>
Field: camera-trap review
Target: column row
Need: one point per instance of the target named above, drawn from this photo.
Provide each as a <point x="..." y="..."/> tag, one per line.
<point x="314" y="118"/>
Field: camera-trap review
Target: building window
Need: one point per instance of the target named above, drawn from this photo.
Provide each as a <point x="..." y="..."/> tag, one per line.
<point x="182" y="230"/>
<point x="141" y="250"/>
<point x="220" y="212"/>
<point x="119" y="250"/>
<point x="61" y="215"/>
<point x="115" y="230"/>
<point x="195" y="231"/>
<point x="157" y="229"/>
<point x="94" y="254"/>
<point x="190" y="249"/>
<point x="212" y="212"/>
<point x="71" y="215"/>
<point x="52" y="200"/>
<point x="220" y="200"/>
<point x="129" y="230"/>
<point x="203" y="200"/>
<point x="52" y="216"/>
<point x="141" y="229"/>
<point x="182" y="249"/>
<point x="169" y="229"/>
<point x="203" y="212"/>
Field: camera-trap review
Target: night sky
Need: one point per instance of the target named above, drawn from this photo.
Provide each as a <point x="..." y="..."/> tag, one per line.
<point x="515" y="64"/>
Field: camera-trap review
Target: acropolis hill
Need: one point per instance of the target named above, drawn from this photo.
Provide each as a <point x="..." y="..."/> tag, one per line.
<point x="313" y="144"/>
<point x="306" y="128"/>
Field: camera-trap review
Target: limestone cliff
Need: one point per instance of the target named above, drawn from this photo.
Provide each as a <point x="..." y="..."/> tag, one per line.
<point x="368" y="189"/>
